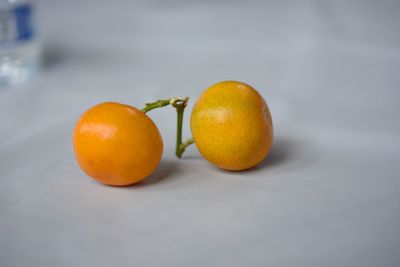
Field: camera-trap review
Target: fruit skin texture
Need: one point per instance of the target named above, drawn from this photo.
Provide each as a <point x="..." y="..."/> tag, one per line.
<point x="232" y="126"/>
<point x="117" y="144"/>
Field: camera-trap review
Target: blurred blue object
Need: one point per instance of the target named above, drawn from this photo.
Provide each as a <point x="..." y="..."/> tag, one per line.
<point x="19" y="50"/>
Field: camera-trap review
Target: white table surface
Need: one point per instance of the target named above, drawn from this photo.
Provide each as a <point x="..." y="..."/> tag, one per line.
<point x="327" y="195"/>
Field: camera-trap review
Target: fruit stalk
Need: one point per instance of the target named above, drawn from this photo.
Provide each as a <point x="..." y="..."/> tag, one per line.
<point x="174" y="101"/>
<point x="180" y="147"/>
<point x="179" y="112"/>
<point x="179" y="104"/>
<point x="156" y="104"/>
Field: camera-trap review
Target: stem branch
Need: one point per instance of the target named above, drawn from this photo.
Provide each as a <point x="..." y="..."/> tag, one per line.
<point x="183" y="146"/>
<point x="174" y="101"/>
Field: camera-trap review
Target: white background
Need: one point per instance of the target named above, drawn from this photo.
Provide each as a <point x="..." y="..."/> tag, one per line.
<point x="327" y="195"/>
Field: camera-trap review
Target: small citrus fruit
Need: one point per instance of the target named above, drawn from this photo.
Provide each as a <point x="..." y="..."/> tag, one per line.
<point x="117" y="144"/>
<point x="232" y="126"/>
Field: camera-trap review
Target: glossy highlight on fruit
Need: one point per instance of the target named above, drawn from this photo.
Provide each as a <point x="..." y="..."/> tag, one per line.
<point x="232" y="126"/>
<point x="117" y="144"/>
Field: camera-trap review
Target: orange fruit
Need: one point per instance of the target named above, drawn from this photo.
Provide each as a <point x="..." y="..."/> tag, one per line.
<point x="232" y="126"/>
<point x="117" y="144"/>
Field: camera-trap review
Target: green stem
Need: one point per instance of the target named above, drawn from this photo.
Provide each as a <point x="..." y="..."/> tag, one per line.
<point x="157" y="104"/>
<point x="184" y="145"/>
<point x="179" y="113"/>
<point x="180" y="147"/>
<point x="179" y="104"/>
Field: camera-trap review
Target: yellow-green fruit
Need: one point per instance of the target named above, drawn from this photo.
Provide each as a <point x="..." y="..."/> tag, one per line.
<point x="232" y="126"/>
